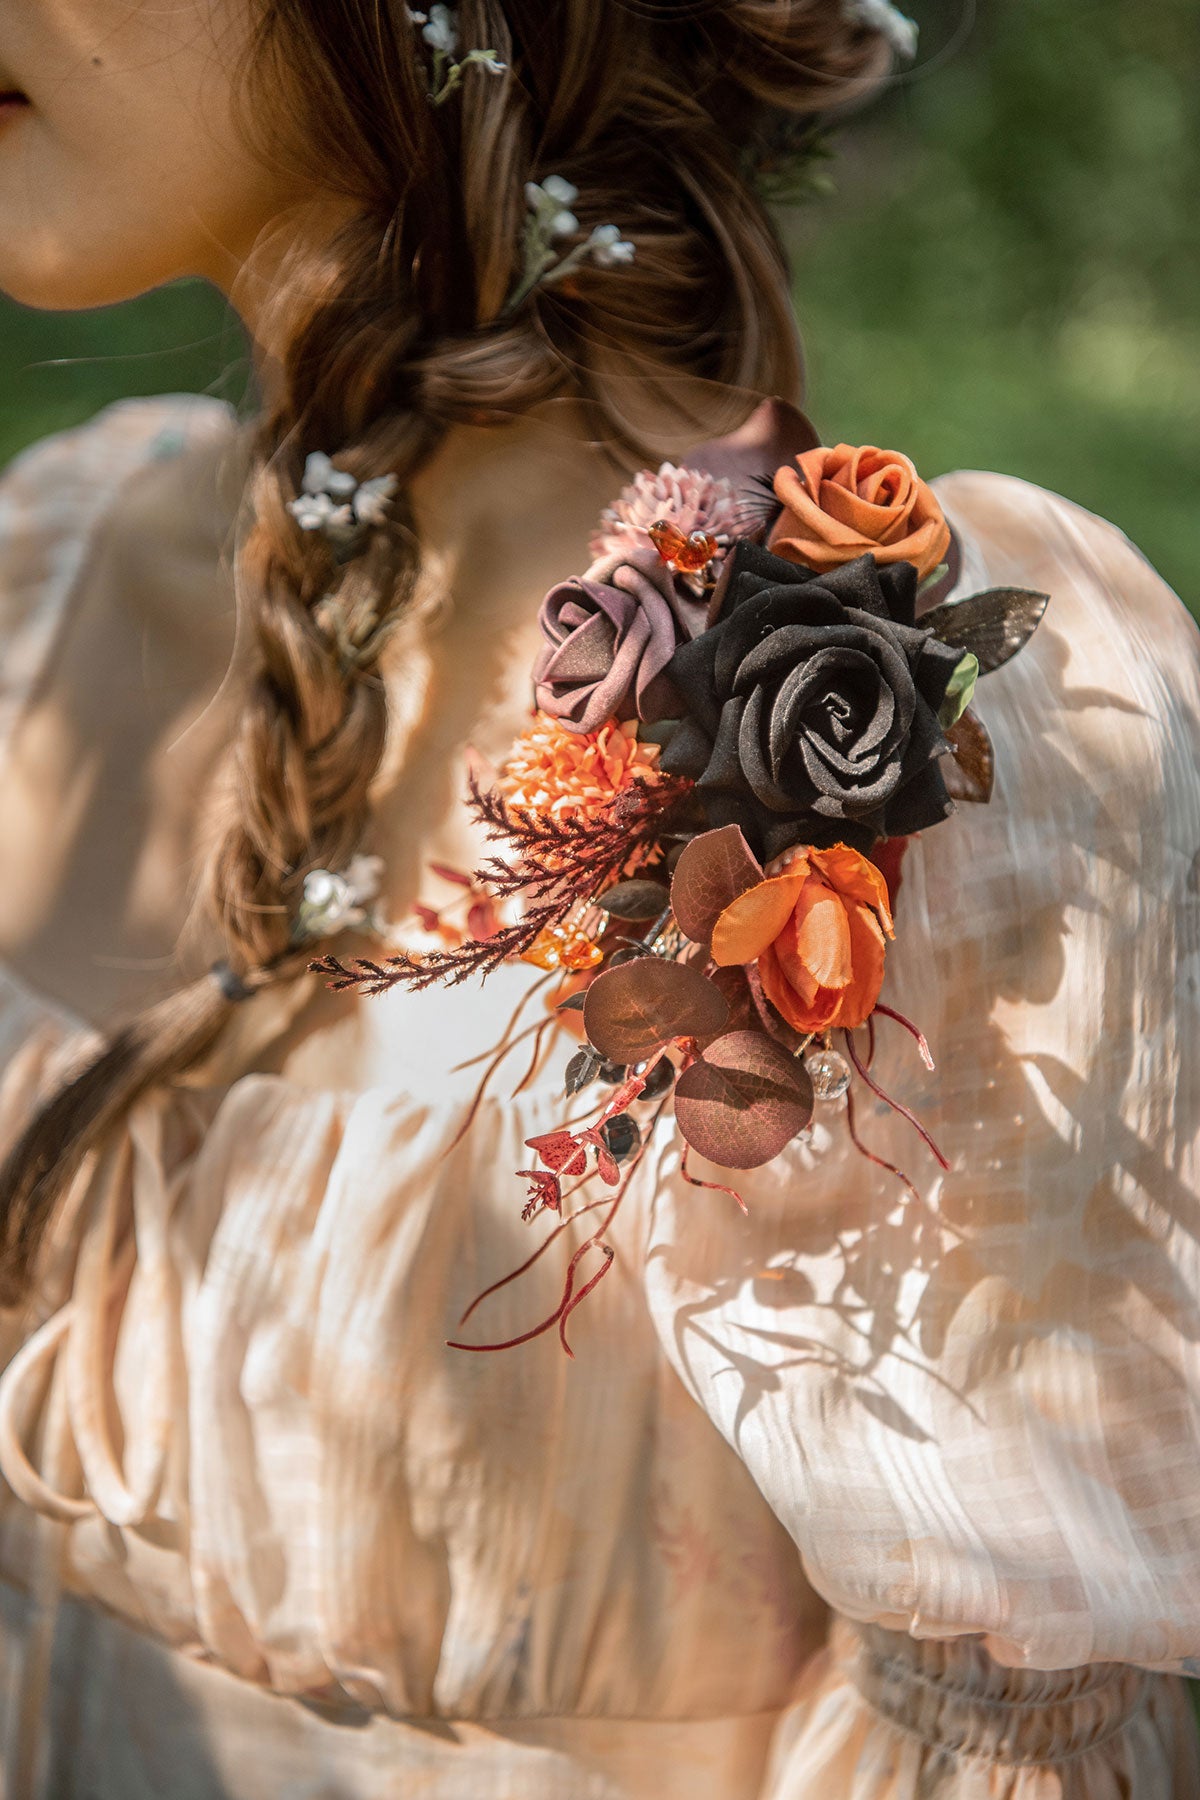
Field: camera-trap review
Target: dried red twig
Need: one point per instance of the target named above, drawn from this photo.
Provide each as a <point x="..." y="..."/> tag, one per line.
<point x="913" y="1031"/>
<point x="716" y="1187"/>
<point x="880" y="1162"/>
<point x="888" y="1100"/>
<point x="551" y="1237"/>
<point x="569" y="1299"/>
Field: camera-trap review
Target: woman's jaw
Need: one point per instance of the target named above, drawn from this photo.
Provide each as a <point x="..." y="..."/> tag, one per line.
<point x="123" y="163"/>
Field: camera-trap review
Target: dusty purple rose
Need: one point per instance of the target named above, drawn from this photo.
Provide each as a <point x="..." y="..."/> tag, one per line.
<point x="609" y="636"/>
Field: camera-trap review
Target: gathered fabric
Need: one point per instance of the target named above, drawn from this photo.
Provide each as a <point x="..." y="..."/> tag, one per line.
<point x="255" y="1505"/>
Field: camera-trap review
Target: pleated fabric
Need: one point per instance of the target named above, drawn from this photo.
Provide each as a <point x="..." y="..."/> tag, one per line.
<point x="264" y="1532"/>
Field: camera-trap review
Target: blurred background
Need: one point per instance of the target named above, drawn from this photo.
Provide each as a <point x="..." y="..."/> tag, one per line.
<point x="1005" y="273"/>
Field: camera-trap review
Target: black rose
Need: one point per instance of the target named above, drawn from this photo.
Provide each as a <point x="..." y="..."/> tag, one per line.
<point x="812" y="706"/>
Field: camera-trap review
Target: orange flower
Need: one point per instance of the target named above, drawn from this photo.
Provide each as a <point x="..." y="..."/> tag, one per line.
<point x="817" y="932"/>
<point x="843" y="503"/>
<point x="563" y="774"/>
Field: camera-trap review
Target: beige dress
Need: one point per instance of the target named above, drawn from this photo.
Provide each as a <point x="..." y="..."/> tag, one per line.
<point x="849" y="1500"/>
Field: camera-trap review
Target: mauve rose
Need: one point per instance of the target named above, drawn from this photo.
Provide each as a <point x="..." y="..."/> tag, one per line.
<point x="609" y="636"/>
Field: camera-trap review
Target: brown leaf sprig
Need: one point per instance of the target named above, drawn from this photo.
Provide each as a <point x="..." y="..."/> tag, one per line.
<point x="558" y="863"/>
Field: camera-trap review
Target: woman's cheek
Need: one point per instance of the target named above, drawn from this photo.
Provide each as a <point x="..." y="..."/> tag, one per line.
<point x="128" y="169"/>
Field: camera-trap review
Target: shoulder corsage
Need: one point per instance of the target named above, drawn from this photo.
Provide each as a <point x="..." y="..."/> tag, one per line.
<point x="744" y="709"/>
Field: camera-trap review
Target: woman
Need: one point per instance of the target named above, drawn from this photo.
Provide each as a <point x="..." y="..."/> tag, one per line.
<point x="852" y="1497"/>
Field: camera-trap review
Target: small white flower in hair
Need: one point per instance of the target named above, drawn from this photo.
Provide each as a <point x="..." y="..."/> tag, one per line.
<point x="550" y="202"/>
<point x="551" y="218"/>
<point x="334" y="902"/>
<point x="312" y="512"/>
<point x="440" y="30"/>
<point x="371" y="499"/>
<point x="317" y="469"/>
<point x="342" y="509"/>
<point x="880" y="15"/>
<point x="609" y="248"/>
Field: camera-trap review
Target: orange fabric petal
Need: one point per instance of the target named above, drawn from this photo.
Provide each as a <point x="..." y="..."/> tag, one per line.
<point x="851" y="874"/>
<point x="822" y="936"/>
<point x="756" y="918"/>
<point x="794" y="970"/>
<point x="857" y="1001"/>
<point x="872" y="524"/>
<point x="843" y="502"/>
<point x="815" y="1014"/>
<point x="805" y="517"/>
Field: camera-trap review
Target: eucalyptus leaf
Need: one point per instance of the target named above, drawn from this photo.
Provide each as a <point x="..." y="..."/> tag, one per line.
<point x="633" y="1010"/>
<point x="714" y="869"/>
<point x="638" y="899"/>
<point x="742" y="1101"/>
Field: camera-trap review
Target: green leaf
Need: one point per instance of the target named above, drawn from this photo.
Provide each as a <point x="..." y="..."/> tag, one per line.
<point x="960" y="690"/>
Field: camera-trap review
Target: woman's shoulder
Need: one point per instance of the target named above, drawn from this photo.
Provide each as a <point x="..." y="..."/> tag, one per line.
<point x="54" y="495"/>
<point x="56" y="492"/>
<point x="1105" y="593"/>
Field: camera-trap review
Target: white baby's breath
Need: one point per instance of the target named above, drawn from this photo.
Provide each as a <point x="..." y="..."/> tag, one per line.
<point x="551" y="219"/>
<point x="335" y="902"/>
<point x="341" y="508"/>
<point x="371" y="499"/>
<point x="609" y="248"/>
<point x="440" y="30"/>
<point x="881" y="16"/>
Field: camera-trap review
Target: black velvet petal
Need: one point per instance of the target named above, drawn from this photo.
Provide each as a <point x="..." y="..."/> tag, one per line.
<point x="811" y="705"/>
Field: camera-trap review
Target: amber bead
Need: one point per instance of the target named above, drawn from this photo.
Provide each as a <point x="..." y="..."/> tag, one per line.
<point x="580" y="953"/>
<point x="689" y="554"/>
<point x="667" y="539"/>
<point x="558" y="948"/>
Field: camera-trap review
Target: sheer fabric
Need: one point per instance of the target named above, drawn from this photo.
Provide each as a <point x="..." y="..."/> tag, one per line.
<point x="258" y="1510"/>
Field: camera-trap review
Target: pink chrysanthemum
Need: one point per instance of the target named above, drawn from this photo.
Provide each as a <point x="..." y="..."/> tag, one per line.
<point x="562" y="774"/>
<point x="688" y="498"/>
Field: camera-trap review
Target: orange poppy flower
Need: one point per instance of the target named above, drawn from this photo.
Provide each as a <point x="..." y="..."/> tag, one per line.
<point x="817" y="931"/>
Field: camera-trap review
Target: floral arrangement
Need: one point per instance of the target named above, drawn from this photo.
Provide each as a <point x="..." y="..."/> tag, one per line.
<point x="747" y="706"/>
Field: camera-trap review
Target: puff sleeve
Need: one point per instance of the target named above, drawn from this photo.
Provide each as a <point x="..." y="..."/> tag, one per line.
<point x="976" y="1411"/>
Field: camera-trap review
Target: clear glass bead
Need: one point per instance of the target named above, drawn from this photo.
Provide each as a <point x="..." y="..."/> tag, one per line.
<point x="830" y="1074"/>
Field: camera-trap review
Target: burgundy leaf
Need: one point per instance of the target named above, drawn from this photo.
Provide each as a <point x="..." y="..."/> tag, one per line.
<point x="559" y="1151"/>
<point x="631" y="1010"/>
<point x="714" y="869"/>
<point x="743" y="1100"/>
<point x="971" y="772"/>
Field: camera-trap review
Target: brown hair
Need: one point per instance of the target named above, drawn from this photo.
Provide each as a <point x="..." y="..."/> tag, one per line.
<point x="396" y="329"/>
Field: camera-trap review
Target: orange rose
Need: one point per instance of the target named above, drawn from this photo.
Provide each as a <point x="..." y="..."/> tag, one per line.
<point x="817" y="933"/>
<point x="843" y="503"/>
